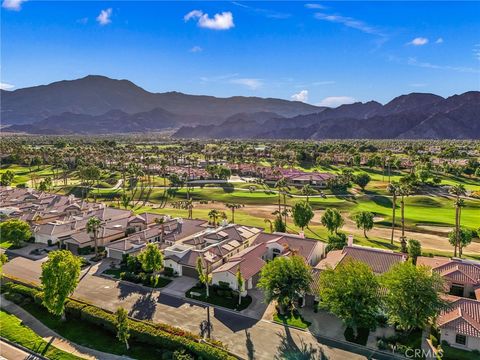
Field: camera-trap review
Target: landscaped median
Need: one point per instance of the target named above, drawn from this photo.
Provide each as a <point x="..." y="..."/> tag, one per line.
<point x="292" y="318"/>
<point x="218" y="296"/>
<point x="95" y="328"/>
<point x="13" y="330"/>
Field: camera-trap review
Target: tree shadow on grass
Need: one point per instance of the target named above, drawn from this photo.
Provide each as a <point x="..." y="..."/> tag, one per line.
<point x="289" y="350"/>
<point x="144" y="307"/>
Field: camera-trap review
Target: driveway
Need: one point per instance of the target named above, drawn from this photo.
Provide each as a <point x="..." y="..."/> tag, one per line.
<point x="248" y="337"/>
<point x="180" y="285"/>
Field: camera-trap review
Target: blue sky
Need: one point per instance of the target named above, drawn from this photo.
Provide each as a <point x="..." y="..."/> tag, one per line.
<point x="322" y="53"/>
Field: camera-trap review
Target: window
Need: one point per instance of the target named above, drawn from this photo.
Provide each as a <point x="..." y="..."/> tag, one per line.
<point x="461" y="339"/>
<point x="456" y="289"/>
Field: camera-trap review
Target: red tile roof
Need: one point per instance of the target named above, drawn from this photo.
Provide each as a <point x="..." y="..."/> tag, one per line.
<point x="379" y="260"/>
<point x="463" y="316"/>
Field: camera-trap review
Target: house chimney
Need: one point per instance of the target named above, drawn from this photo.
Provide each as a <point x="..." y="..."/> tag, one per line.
<point x="350" y="240"/>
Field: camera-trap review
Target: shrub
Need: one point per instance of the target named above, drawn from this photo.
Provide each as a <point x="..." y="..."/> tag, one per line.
<point x="160" y="335"/>
<point x="73" y="309"/>
<point x="168" y="271"/>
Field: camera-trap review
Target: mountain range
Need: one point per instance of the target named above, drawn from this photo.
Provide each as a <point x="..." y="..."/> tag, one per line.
<point x="99" y="105"/>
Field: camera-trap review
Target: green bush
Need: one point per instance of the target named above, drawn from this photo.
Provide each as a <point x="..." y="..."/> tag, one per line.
<point x="160" y="335"/>
<point x="168" y="271"/>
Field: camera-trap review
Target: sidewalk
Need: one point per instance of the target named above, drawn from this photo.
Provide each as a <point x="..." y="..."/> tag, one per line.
<point x="56" y="340"/>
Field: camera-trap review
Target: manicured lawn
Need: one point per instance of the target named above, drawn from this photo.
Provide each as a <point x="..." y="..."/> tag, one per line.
<point x="93" y="337"/>
<point x="13" y="330"/>
<point x="230" y="302"/>
<point x="451" y="353"/>
<point x="161" y="281"/>
<point x="292" y="319"/>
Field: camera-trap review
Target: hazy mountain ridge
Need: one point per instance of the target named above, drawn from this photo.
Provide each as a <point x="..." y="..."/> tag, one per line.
<point x="98" y="105"/>
<point x="96" y="95"/>
<point x="415" y="115"/>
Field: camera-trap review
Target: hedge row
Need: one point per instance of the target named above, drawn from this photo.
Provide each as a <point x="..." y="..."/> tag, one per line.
<point x="159" y="335"/>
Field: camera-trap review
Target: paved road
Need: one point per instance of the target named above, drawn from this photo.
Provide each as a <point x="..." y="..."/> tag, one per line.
<point x="10" y="352"/>
<point x="248" y="337"/>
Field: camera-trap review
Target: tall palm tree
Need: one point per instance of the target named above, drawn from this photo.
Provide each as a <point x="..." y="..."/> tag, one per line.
<point x="280" y="185"/>
<point x="393" y="188"/>
<point x="233" y="207"/>
<point x="404" y="190"/>
<point x="161" y="221"/>
<point x="307" y="191"/>
<point x="93" y="227"/>
<point x="214" y="214"/>
<point x="457" y="191"/>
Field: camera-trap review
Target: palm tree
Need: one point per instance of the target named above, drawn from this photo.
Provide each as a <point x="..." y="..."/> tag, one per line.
<point x="93" y="227"/>
<point x="404" y="190"/>
<point x="280" y="185"/>
<point x="161" y="221"/>
<point x="233" y="207"/>
<point x="457" y="191"/>
<point x="214" y="214"/>
<point x="307" y="190"/>
<point x="269" y="222"/>
<point x="189" y="206"/>
<point x="392" y="188"/>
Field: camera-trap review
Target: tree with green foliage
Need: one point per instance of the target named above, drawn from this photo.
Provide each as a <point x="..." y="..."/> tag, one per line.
<point x="233" y="207"/>
<point x="332" y="220"/>
<point x="364" y="220"/>
<point x="279" y="225"/>
<point x="336" y="241"/>
<point x="351" y="291"/>
<point x="59" y="279"/>
<point x="240" y="283"/>
<point x="413" y="295"/>
<point x="302" y="214"/>
<point x="15" y="231"/>
<point x="461" y="239"/>
<point x="93" y="228"/>
<point x="214" y="214"/>
<point x="7" y="178"/>
<point x="151" y="259"/>
<point x="121" y="323"/>
<point x="204" y="275"/>
<point x="362" y="180"/>
<point x="285" y="279"/>
<point x="414" y="249"/>
<point x="3" y="261"/>
<point x="307" y="190"/>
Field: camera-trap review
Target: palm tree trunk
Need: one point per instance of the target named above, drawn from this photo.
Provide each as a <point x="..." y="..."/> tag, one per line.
<point x="95" y="240"/>
<point x="457" y="230"/>
<point x="394" y="208"/>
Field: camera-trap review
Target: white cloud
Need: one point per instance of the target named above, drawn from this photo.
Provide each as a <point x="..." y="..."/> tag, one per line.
<point x="334" y="101"/>
<point x="104" y="17"/>
<point x="13" y="4"/>
<point x="5" y="86"/>
<point x="476" y="51"/>
<point x="418" y="85"/>
<point x="439" y="41"/>
<point x="250" y="83"/>
<point x="415" y="62"/>
<point x="301" y="96"/>
<point x="196" y="49"/>
<point x="221" y="21"/>
<point x="418" y="41"/>
<point x="314" y="6"/>
<point x="349" y="22"/>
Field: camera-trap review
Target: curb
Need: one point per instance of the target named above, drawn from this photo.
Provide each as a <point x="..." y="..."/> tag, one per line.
<point x="23" y="348"/>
